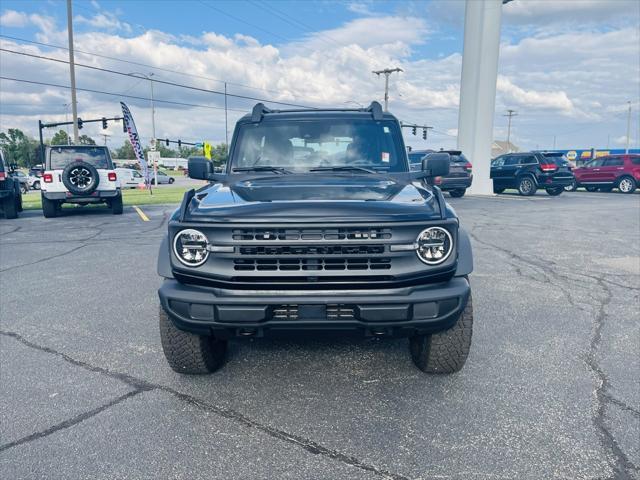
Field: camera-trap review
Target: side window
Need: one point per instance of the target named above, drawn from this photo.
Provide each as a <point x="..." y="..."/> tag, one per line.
<point x="635" y="160"/>
<point x="613" y="162"/>
<point x="595" y="163"/>
<point x="498" y="162"/>
<point x="527" y="160"/>
<point x="512" y="160"/>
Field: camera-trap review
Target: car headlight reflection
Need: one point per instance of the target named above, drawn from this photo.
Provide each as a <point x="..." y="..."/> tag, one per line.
<point x="190" y="246"/>
<point x="434" y="245"/>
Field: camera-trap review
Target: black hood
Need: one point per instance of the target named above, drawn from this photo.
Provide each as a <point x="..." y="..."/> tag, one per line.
<point x="313" y="197"/>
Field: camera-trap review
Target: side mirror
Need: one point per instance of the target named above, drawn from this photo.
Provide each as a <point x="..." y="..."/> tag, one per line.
<point x="13" y="167"/>
<point x="200" y="168"/>
<point x="436" y="164"/>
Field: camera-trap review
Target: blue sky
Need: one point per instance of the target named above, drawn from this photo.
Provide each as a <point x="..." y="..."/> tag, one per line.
<point x="567" y="66"/>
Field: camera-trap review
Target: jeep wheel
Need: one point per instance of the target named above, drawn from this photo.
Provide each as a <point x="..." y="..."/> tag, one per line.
<point x="627" y="185"/>
<point x="49" y="208"/>
<point x="116" y="205"/>
<point x="10" y="207"/>
<point x="36" y="185"/>
<point x="444" y="352"/>
<point x="457" y="193"/>
<point x="189" y="353"/>
<point x="591" y="189"/>
<point x="498" y="190"/>
<point x="526" y="186"/>
<point x="572" y="187"/>
<point x="555" y="191"/>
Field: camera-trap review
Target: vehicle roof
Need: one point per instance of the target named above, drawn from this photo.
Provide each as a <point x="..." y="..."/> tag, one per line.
<point x="278" y="115"/>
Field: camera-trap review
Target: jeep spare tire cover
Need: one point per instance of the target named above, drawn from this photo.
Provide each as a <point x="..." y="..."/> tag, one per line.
<point x="80" y="178"/>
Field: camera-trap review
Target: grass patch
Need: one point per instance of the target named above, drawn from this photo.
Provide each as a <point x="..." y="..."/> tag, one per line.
<point x="161" y="195"/>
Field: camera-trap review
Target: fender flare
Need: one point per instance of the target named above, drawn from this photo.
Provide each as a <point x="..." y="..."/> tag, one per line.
<point x="465" y="254"/>
<point x="164" y="262"/>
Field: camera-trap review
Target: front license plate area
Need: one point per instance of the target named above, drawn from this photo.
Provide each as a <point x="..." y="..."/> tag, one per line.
<point x="312" y="312"/>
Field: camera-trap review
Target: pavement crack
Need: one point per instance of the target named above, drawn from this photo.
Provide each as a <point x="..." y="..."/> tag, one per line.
<point x="140" y="385"/>
<point x="45" y="259"/>
<point x="70" y="422"/>
<point x="622" y="464"/>
<point x="620" y="404"/>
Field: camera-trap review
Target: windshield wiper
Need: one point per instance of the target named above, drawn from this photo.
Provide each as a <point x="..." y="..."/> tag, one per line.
<point x="261" y="168"/>
<point x="343" y="168"/>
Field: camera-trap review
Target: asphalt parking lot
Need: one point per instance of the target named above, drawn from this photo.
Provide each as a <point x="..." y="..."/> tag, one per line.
<point x="551" y="388"/>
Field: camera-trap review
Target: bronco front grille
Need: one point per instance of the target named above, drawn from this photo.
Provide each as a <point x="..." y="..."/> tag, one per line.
<point x="311" y="264"/>
<point x="305" y="234"/>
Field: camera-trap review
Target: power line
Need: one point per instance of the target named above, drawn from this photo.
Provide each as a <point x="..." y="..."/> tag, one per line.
<point x="100" y="92"/>
<point x="165" y="82"/>
<point x="139" y="64"/>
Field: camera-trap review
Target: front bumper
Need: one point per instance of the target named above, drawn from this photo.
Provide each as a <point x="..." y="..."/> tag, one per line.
<point x="391" y="312"/>
<point x="96" y="197"/>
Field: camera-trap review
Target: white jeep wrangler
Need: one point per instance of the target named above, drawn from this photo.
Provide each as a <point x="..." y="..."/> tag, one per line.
<point x="80" y="174"/>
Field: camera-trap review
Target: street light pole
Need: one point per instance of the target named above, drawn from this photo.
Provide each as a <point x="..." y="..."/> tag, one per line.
<point x="72" y="72"/>
<point x="386" y="72"/>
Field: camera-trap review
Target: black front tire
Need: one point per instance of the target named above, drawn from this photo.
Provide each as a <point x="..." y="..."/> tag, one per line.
<point x="49" y="208"/>
<point x="527" y="186"/>
<point x="447" y="351"/>
<point x="498" y="190"/>
<point x="116" y="205"/>
<point x="591" y="189"/>
<point x="554" y="191"/>
<point x="458" y="192"/>
<point x="36" y="185"/>
<point x="171" y="180"/>
<point x="189" y="353"/>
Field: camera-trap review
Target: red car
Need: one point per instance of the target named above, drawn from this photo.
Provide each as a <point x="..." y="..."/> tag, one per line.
<point x="606" y="173"/>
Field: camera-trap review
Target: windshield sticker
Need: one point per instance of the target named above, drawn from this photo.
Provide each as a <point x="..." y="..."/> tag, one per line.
<point x="385" y="157"/>
<point x="386" y="129"/>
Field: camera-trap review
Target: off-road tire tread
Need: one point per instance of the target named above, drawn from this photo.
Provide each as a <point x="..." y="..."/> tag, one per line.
<point x="116" y="205"/>
<point x="49" y="208"/>
<point x="447" y="351"/>
<point x="10" y="208"/>
<point x="189" y="353"/>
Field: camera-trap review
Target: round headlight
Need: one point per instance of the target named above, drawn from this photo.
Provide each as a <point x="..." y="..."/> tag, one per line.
<point x="434" y="245"/>
<point x="190" y="246"/>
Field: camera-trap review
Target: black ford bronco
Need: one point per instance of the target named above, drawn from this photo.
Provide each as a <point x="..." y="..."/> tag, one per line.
<point x="317" y="224"/>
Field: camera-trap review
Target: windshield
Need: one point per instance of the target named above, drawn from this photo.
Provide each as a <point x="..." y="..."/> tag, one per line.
<point x="317" y="144"/>
<point x="59" y="157"/>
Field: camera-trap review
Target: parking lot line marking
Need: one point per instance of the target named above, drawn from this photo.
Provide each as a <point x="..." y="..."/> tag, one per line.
<point x="141" y="213"/>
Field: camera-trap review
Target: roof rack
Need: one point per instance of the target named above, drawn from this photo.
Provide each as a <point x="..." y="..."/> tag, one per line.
<point x="259" y="110"/>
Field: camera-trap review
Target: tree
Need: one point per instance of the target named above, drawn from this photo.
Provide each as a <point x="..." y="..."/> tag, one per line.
<point x="219" y="154"/>
<point x="60" y="138"/>
<point x="86" y="140"/>
<point x="125" y="152"/>
<point x="19" y="148"/>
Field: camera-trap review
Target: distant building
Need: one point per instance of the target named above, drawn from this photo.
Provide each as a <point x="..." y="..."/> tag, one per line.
<point x="498" y="147"/>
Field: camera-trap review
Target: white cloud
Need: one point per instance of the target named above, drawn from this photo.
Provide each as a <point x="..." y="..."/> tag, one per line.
<point x="11" y="18"/>
<point x="551" y="79"/>
<point x="361" y="8"/>
<point x="104" y="21"/>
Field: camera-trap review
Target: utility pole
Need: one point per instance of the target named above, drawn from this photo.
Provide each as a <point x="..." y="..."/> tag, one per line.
<point x="628" y="128"/>
<point x="105" y="138"/>
<point x="554" y="142"/>
<point x="510" y="114"/>
<point x="72" y="72"/>
<point x="386" y="72"/>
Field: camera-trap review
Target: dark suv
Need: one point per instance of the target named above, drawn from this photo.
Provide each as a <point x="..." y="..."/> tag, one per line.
<point x="606" y="173"/>
<point x="317" y="225"/>
<point x="459" y="177"/>
<point x="10" y="194"/>
<point x="527" y="172"/>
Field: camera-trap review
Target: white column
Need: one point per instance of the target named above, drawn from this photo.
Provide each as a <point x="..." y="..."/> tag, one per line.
<point x="478" y="88"/>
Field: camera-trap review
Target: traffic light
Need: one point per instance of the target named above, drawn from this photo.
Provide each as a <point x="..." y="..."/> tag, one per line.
<point x="166" y="142"/>
<point x="104" y="123"/>
<point x="424" y="133"/>
<point x="413" y="130"/>
<point x="79" y="123"/>
<point x="179" y="143"/>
